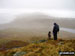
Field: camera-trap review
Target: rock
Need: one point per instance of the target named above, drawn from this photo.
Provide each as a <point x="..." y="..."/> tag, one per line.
<point x="60" y="43"/>
<point x="42" y="40"/>
<point x="19" y="53"/>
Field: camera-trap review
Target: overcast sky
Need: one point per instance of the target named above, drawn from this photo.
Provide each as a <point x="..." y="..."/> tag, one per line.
<point x="57" y="8"/>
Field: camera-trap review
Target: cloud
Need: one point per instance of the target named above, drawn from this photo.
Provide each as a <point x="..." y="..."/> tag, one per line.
<point x="50" y="12"/>
<point x="56" y="8"/>
<point x="38" y="4"/>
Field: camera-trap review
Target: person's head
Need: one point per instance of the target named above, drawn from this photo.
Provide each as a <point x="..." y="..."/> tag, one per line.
<point x="55" y="24"/>
<point x="49" y="31"/>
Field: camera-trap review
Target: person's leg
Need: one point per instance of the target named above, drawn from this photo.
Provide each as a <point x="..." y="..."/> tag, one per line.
<point x="49" y="37"/>
<point x="55" y="36"/>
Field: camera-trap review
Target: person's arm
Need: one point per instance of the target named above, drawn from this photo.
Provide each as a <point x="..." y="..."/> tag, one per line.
<point x="53" y="28"/>
<point x="58" y="28"/>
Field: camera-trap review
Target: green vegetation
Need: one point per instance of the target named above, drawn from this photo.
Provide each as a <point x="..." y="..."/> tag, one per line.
<point x="45" y="48"/>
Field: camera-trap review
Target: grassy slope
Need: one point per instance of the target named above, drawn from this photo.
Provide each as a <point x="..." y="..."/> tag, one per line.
<point x="47" y="48"/>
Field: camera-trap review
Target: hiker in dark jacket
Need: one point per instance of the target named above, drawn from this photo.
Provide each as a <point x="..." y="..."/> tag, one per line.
<point x="55" y="30"/>
<point x="49" y="35"/>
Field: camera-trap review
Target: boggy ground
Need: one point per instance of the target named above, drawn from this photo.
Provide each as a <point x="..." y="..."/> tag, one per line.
<point x="41" y="48"/>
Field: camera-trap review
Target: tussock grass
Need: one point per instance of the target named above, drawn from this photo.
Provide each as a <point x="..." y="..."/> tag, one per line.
<point x="46" y="48"/>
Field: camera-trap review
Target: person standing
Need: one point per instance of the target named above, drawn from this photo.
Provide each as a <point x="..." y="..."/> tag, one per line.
<point x="55" y="30"/>
<point x="49" y="35"/>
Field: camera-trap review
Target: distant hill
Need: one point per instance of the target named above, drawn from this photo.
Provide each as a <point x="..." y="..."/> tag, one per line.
<point x="36" y="20"/>
<point x="36" y="24"/>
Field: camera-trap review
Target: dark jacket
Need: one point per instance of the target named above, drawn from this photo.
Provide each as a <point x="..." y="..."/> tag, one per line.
<point x="56" y="28"/>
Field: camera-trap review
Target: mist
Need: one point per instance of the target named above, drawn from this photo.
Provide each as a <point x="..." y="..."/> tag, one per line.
<point x="9" y="9"/>
<point x="8" y="15"/>
<point x="36" y="15"/>
<point x="36" y="26"/>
